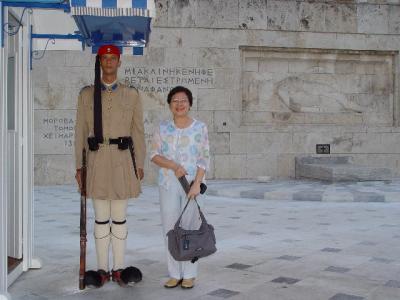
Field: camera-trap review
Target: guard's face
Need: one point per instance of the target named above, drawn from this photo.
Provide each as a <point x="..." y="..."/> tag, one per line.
<point x="110" y="64"/>
<point x="179" y="105"/>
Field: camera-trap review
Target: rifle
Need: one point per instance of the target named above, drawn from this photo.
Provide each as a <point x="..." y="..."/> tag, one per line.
<point x="82" y="264"/>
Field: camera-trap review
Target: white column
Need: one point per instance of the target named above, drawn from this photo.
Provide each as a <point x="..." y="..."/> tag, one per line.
<point x="3" y="178"/>
<point x="27" y="156"/>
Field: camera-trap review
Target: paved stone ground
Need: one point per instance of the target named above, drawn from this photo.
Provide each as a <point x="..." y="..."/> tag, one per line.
<point x="309" y="190"/>
<point x="267" y="250"/>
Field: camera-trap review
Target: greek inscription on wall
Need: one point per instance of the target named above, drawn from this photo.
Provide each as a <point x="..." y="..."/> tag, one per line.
<point x="61" y="129"/>
<point x="54" y="131"/>
<point x="162" y="79"/>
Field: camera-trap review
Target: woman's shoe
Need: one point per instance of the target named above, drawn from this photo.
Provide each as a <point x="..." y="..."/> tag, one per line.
<point x="187" y="283"/>
<point x="172" y="282"/>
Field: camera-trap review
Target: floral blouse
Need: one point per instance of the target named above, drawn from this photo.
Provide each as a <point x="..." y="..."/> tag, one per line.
<point x="188" y="147"/>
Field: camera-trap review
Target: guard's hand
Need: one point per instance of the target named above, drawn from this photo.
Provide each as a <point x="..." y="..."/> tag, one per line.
<point x="194" y="190"/>
<point x="78" y="178"/>
<point x="140" y="173"/>
<point x="180" y="171"/>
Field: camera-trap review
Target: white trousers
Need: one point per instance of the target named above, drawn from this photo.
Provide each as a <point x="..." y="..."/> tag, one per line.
<point x="110" y="228"/>
<point x="172" y="202"/>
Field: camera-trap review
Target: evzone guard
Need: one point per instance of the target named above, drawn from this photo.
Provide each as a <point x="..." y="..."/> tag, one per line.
<point x="109" y="129"/>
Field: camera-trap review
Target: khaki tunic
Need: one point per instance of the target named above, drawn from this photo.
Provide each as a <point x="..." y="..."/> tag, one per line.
<point x="110" y="173"/>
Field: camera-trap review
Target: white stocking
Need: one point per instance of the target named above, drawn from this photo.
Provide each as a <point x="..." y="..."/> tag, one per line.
<point x="102" y="232"/>
<point x="119" y="232"/>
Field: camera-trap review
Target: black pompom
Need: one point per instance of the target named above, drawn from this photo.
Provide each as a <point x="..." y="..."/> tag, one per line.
<point x="93" y="278"/>
<point x="131" y="274"/>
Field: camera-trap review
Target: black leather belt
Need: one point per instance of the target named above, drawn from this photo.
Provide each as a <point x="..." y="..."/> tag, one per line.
<point x="124" y="143"/>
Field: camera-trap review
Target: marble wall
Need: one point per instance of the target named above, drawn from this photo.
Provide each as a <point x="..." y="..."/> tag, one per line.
<point x="270" y="78"/>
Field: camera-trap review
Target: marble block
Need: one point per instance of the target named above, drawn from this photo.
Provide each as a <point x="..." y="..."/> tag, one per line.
<point x="338" y="169"/>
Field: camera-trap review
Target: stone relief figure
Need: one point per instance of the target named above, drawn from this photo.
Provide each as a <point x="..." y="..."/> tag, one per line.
<point x="302" y="94"/>
<point x="311" y="93"/>
<point x="307" y="95"/>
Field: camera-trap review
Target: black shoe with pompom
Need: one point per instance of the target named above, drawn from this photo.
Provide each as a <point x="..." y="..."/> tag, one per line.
<point x="96" y="278"/>
<point x="125" y="276"/>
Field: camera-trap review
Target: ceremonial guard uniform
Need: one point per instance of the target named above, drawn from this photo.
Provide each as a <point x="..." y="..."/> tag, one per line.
<point x="110" y="171"/>
<point x="109" y="125"/>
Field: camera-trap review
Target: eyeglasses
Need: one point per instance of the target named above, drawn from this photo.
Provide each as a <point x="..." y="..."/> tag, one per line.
<point x="182" y="101"/>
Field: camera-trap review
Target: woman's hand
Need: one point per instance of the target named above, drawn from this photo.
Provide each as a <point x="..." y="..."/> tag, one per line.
<point x="179" y="171"/>
<point x="194" y="190"/>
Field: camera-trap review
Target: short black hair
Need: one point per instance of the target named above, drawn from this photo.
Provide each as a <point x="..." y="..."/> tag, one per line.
<point x="179" y="89"/>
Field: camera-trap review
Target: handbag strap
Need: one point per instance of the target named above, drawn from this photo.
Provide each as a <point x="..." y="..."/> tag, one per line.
<point x="203" y="219"/>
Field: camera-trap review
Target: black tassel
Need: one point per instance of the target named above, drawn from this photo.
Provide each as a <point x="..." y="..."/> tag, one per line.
<point x="97" y="110"/>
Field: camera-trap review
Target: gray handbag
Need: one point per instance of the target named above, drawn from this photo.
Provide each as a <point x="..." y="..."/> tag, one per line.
<point x="185" y="245"/>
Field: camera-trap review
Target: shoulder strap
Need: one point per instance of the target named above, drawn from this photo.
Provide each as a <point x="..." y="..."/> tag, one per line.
<point x="203" y="218"/>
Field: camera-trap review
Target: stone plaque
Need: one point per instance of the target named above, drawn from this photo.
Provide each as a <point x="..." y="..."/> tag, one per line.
<point x="317" y="86"/>
<point x="54" y="131"/>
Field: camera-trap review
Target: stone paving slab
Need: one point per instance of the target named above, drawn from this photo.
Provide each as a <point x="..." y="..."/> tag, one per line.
<point x="308" y="190"/>
<point x="297" y="250"/>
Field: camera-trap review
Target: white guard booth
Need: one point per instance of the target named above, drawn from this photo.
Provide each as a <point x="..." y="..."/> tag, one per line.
<point x="16" y="147"/>
<point x="27" y="26"/>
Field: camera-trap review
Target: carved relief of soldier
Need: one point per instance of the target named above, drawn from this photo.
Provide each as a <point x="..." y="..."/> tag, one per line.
<point x="109" y="126"/>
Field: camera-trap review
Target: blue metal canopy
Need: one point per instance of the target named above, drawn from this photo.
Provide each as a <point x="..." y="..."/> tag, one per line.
<point x="34" y="1"/>
<point x="124" y="23"/>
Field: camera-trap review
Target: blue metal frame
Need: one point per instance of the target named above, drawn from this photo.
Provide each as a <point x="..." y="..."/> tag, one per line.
<point x="2" y="25"/>
<point x="58" y="36"/>
<point x="54" y="37"/>
<point x="9" y="33"/>
<point x="62" y="5"/>
<point x="119" y="43"/>
<point x="82" y="28"/>
<point x="65" y="6"/>
<point x="138" y="42"/>
<point x="30" y="47"/>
